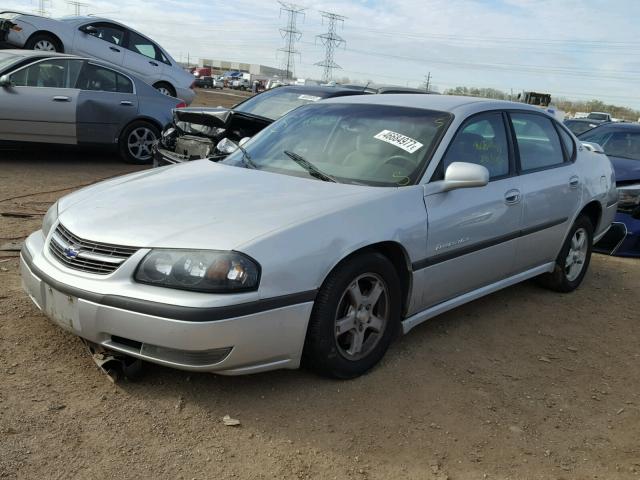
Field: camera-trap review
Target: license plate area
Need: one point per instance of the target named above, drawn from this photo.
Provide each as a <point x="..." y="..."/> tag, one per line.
<point x="62" y="308"/>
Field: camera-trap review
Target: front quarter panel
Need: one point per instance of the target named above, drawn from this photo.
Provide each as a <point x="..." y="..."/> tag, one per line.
<point x="299" y="258"/>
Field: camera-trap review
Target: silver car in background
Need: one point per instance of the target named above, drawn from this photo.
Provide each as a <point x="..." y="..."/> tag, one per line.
<point x="63" y="99"/>
<point x="103" y="39"/>
<point x="342" y="223"/>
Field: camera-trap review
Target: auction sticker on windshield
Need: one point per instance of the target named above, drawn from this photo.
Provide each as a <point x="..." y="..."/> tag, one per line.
<point x="309" y="98"/>
<point x="407" y="144"/>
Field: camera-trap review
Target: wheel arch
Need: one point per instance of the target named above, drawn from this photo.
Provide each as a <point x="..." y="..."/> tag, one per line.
<point x="399" y="258"/>
<point x="143" y="118"/>
<point x="593" y="211"/>
<point x="165" y="82"/>
<point x="55" y="37"/>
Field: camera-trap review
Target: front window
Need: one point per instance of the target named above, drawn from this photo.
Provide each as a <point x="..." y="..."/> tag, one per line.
<point x="56" y="73"/>
<point x="375" y="145"/>
<point x="617" y="143"/>
<point x="273" y="104"/>
<point x="108" y="32"/>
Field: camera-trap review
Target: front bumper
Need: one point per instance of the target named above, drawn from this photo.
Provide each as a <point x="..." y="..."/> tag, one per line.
<point x="250" y="341"/>
<point x="163" y="157"/>
<point x="623" y="238"/>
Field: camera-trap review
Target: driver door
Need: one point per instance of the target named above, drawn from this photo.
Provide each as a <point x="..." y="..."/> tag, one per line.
<point x="472" y="232"/>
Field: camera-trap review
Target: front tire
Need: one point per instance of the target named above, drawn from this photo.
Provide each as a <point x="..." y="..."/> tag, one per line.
<point x="573" y="261"/>
<point x="44" y="42"/>
<point x="136" y="141"/>
<point x="354" y="318"/>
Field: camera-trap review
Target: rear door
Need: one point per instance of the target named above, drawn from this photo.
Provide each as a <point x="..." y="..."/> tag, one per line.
<point x="144" y="58"/>
<point x="106" y="43"/>
<point x="472" y="232"/>
<point x="41" y="104"/>
<point x="106" y="104"/>
<point x="551" y="186"/>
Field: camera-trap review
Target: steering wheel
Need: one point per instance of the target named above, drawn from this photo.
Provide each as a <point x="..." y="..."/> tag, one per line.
<point x="399" y="160"/>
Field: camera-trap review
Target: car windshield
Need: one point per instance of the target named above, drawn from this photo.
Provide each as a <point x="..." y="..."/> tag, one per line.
<point x="578" y="127"/>
<point x="273" y="104"/>
<point x="617" y="143"/>
<point x="376" y="145"/>
<point x="598" y="116"/>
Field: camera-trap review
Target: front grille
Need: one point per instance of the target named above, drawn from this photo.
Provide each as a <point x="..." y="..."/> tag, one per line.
<point x="87" y="256"/>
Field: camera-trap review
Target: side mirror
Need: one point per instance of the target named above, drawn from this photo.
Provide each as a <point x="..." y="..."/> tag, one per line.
<point x="465" y="175"/>
<point x="591" y="146"/>
<point x="226" y="146"/>
<point x="90" y="29"/>
<point x="5" y="81"/>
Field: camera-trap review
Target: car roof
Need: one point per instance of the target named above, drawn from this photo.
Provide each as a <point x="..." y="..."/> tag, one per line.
<point x="445" y="103"/>
<point x="327" y="91"/>
<point x="34" y="53"/>
<point x="633" y="127"/>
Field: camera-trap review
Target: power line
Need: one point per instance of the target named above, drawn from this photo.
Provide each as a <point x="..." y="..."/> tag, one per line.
<point x="291" y="35"/>
<point x="77" y="6"/>
<point x="42" y="8"/>
<point x="330" y="40"/>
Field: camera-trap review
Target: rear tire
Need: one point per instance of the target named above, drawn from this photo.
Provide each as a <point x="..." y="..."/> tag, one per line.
<point x="165" y="89"/>
<point x="44" y="42"/>
<point x="573" y="260"/>
<point x="355" y="317"/>
<point x="136" y="140"/>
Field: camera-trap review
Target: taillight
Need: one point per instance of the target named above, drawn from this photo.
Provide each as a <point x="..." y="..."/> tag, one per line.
<point x="181" y="105"/>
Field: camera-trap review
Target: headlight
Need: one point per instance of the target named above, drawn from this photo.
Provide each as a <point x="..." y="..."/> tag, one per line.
<point x="628" y="197"/>
<point x="50" y="218"/>
<point x="199" y="270"/>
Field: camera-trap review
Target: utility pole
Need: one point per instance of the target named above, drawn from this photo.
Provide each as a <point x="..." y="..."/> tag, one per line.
<point x="330" y="40"/>
<point x="427" y="81"/>
<point x="77" y="6"/>
<point x="291" y="35"/>
<point x="42" y="8"/>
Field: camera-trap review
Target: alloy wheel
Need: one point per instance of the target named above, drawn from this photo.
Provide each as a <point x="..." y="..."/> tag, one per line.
<point x="362" y="316"/>
<point x="577" y="254"/>
<point x="45" y="45"/>
<point x="140" y="142"/>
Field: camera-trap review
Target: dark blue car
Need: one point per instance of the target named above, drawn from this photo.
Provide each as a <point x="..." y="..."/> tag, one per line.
<point x="621" y="143"/>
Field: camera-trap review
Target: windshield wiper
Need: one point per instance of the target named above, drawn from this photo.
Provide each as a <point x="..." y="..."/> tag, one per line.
<point x="246" y="158"/>
<point x="310" y="167"/>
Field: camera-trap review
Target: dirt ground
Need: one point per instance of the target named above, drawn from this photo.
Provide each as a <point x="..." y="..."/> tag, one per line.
<point x="523" y="384"/>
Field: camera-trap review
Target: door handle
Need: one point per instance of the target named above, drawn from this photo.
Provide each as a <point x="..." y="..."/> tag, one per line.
<point x="154" y="64"/>
<point x="114" y="49"/>
<point x="61" y="98"/>
<point x="512" y="197"/>
<point x="126" y="103"/>
<point x="574" y="181"/>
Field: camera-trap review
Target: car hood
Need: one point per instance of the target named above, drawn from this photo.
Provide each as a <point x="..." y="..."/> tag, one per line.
<point x="219" y="117"/>
<point x="626" y="170"/>
<point x="201" y="205"/>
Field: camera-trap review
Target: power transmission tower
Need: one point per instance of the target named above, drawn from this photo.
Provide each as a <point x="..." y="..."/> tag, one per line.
<point x="77" y="6"/>
<point x="291" y="35"/>
<point x="330" y="40"/>
<point x="427" y="81"/>
<point x="42" y="8"/>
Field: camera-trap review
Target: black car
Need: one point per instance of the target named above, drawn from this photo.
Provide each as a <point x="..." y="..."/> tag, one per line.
<point x="621" y="143"/>
<point x="196" y="132"/>
<point x="581" y="125"/>
<point x="204" y="82"/>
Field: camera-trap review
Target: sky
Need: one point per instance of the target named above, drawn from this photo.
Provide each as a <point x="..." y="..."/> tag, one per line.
<point x="575" y="49"/>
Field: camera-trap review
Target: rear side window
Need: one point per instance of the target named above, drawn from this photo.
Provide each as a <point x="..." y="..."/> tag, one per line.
<point x="139" y="44"/>
<point x="482" y="140"/>
<point x="538" y="141"/>
<point x="97" y="78"/>
<point x="569" y="146"/>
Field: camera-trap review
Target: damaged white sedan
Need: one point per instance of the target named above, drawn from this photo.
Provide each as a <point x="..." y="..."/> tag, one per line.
<point x="339" y="225"/>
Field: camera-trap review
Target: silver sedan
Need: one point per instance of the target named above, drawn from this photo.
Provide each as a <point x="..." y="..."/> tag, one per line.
<point x="339" y="225"/>
<point x="64" y="99"/>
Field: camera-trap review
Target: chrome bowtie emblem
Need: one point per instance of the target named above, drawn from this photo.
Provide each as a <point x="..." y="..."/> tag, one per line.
<point x="72" y="251"/>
